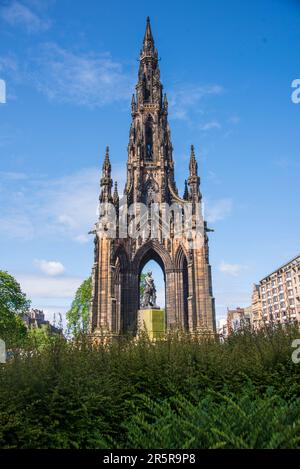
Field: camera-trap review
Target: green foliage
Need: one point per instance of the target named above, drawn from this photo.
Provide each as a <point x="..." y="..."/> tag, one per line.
<point x="142" y="284"/>
<point x="39" y="338"/>
<point x="13" y="303"/>
<point x="78" y="315"/>
<point x="181" y="392"/>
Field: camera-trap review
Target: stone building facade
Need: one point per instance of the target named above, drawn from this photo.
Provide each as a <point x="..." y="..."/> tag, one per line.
<point x="119" y="259"/>
<point x="276" y="299"/>
<point x="238" y="319"/>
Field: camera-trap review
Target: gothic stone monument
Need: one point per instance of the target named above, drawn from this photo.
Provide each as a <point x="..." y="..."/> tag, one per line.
<point x="120" y="259"/>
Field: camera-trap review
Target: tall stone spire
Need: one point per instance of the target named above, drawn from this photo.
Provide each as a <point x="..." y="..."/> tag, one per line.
<point x="150" y="169"/>
<point x="148" y="44"/>
<point x="106" y="180"/>
<point x="149" y="87"/>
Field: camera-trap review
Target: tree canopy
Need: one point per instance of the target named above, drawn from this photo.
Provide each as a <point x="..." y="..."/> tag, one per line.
<point x="13" y="304"/>
<point x="78" y="315"/>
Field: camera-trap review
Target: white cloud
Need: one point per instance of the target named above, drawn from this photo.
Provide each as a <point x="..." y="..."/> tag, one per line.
<point x="18" y="14"/>
<point x="217" y="210"/>
<point x="45" y="288"/>
<point x="65" y="207"/>
<point x="86" y="79"/>
<point x="185" y="99"/>
<point x="82" y="238"/>
<point x="210" y="125"/>
<point x="8" y="63"/>
<point x="13" y="176"/>
<point x="234" y="120"/>
<point x="52" y="268"/>
<point x="231" y="269"/>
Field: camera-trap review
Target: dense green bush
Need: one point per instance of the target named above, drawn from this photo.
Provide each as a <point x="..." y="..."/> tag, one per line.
<point x="179" y="393"/>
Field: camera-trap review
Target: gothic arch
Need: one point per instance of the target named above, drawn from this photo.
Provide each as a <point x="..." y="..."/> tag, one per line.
<point x="180" y="257"/>
<point x="181" y="265"/>
<point x="121" y="254"/>
<point x="120" y="264"/>
<point x="152" y="250"/>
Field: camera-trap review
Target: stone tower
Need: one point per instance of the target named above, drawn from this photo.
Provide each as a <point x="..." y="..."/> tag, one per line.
<point x="119" y="255"/>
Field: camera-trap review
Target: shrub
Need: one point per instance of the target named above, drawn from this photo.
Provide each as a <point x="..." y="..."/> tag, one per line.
<point x="181" y="392"/>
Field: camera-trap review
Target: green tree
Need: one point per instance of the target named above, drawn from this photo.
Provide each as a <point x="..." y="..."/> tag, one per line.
<point x="142" y="284"/>
<point x="78" y="315"/>
<point x="13" y="304"/>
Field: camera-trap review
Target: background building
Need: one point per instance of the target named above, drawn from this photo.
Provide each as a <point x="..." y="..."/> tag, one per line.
<point x="276" y="299"/>
<point x="35" y="319"/>
<point x="238" y="319"/>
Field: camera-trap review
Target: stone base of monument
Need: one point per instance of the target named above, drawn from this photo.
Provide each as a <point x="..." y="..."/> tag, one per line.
<point x="152" y="322"/>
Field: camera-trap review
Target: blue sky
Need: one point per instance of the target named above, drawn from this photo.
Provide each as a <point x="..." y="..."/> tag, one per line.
<point x="70" y="68"/>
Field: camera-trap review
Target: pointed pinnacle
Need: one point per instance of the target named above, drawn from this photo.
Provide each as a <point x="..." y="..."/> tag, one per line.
<point x="165" y="101"/>
<point x="148" y="32"/>
<point x="186" y="192"/>
<point x="148" y="38"/>
<point x="193" y="163"/>
<point x="116" y="195"/>
<point x="106" y="163"/>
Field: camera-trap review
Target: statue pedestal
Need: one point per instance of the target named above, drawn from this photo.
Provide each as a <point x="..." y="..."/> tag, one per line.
<point x="151" y="321"/>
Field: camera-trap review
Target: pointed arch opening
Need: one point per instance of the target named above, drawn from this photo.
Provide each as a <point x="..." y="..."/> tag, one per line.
<point x="182" y="269"/>
<point x="158" y="276"/>
<point x="149" y="138"/>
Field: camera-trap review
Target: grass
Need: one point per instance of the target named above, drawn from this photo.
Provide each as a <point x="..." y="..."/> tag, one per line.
<point x="182" y="392"/>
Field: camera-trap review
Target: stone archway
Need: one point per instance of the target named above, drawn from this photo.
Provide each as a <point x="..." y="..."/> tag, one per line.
<point x="153" y="250"/>
<point x="119" y="290"/>
<point x="182" y="288"/>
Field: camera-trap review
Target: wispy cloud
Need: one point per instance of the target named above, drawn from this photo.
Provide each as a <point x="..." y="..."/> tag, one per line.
<point x="63" y="207"/>
<point x="36" y="286"/>
<point x="288" y="163"/>
<point x="16" y="13"/>
<point x="185" y="100"/>
<point x="218" y="209"/>
<point x="86" y="79"/>
<point x="52" y="268"/>
<point x="210" y="126"/>
<point x="231" y="269"/>
<point x="234" y="119"/>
